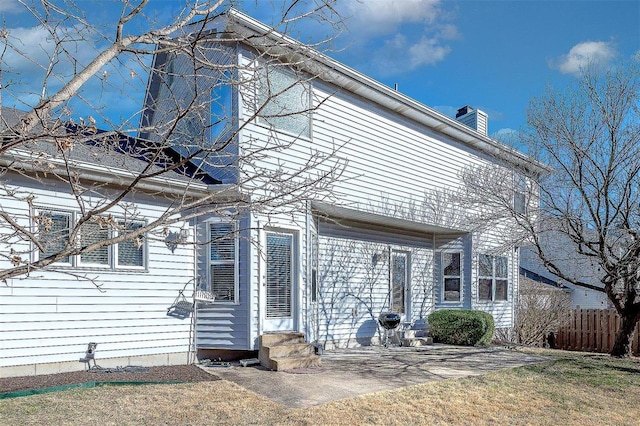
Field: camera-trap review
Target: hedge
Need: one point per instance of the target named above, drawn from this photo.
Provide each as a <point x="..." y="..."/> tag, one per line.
<point x="461" y="327"/>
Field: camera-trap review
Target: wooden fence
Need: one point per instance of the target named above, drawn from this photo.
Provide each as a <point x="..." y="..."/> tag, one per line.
<point x="591" y="330"/>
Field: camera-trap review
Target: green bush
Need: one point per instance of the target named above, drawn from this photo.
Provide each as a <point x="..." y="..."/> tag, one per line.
<point x="461" y="327"/>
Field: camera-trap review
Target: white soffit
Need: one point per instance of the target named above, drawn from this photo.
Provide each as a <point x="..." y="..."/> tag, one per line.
<point x="342" y="213"/>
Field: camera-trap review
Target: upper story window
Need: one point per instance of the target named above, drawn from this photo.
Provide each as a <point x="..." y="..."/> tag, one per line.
<point x="493" y="278"/>
<point x="520" y="194"/>
<point x="223" y="253"/>
<point x="451" y="276"/>
<point x="285" y="101"/>
<point x="54" y="229"/>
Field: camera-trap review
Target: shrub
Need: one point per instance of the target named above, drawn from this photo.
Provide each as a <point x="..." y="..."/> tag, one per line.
<point x="461" y="327"/>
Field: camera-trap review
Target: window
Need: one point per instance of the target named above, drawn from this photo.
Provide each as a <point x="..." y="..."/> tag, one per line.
<point x="451" y="277"/>
<point x="54" y="230"/>
<point x="131" y="252"/>
<point x="91" y="233"/>
<point x="314" y="267"/>
<point x="222" y="261"/>
<point x="286" y="101"/>
<point x="520" y="194"/>
<point x="493" y="277"/>
<point x="399" y="281"/>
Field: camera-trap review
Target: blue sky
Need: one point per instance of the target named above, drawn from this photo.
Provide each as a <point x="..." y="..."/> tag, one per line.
<point x="493" y="55"/>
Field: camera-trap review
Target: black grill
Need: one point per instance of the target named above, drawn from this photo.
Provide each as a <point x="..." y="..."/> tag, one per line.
<point x="389" y="320"/>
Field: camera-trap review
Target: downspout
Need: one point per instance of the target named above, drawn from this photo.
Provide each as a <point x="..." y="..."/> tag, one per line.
<point x="307" y="235"/>
<point x="195" y="287"/>
<point x="259" y="283"/>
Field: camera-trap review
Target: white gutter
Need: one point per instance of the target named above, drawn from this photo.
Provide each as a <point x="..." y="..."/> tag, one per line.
<point x="276" y="44"/>
<point x="25" y="162"/>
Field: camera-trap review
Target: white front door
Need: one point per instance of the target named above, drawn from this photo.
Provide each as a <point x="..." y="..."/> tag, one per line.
<point x="280" y="285"/>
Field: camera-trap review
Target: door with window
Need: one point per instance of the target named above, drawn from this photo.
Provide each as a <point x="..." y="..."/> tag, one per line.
<point x="280" y="286"/>
<point x="400" y="280"/>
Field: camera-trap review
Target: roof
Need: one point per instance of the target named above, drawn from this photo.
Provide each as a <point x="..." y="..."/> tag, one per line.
<point x="104" y="156"/>
<point x="267" y="40"/>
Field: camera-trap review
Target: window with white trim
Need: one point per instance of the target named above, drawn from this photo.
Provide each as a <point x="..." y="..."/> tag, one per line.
<point x="493" y="278"/>
<point x="400" y="267"/>
<point x="53" y="228"/>
<point x="285" y="100"/>
<point x="92" y="233"/>
<point x="451" y="276"/>
<point x="520" y="194"/>
<point x="223" y="250"/>
<point x="131" y="253"/>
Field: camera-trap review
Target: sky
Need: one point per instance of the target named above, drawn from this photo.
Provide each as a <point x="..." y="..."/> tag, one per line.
<point x="492" y="55"/>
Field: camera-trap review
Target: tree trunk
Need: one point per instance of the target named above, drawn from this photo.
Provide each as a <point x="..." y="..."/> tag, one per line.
<point x="622" y="344"/>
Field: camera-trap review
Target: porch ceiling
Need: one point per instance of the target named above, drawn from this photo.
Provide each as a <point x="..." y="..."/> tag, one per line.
<point x="343" y="213"/>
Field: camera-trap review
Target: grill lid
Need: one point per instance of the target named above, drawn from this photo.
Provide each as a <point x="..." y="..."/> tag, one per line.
<point x="389" y="320"/>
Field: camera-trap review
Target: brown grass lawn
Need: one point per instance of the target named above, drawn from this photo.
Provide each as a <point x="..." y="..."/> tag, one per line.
<point x="571" y="389"/>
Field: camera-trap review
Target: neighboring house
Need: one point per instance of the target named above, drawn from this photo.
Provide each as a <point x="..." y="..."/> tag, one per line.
<point x="385" y="239"/>
<point x="583" y="270"/>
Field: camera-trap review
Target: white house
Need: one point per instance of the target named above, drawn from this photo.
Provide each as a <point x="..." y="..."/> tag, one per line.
<point x="587" y="296"/>
<point x="382" y="238"/>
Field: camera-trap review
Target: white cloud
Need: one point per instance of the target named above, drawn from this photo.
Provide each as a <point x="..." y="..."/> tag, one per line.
<point x="385" y="16"/>
<point x="10" y="6"/>
<point x="401" y="35"/>
<point x="584" y="54"/>
<point x="426" y="51"/>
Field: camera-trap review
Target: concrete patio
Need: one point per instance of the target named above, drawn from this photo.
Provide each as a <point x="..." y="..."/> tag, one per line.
<point x="351" y="372"/>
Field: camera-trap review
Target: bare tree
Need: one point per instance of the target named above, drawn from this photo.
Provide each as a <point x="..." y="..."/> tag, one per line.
<point x="175" y="142"/>
<point x="590" y="136"/>
<point x="541" y="309"/>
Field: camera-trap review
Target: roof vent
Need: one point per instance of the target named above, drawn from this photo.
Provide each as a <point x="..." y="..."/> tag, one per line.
<point x="474" y="118"/>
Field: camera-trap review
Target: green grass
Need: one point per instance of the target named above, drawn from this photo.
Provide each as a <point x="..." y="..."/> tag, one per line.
<point x="569" y="389"/>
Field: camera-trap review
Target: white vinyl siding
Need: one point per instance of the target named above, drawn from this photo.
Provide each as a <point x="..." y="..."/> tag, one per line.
<point x="354" y="285"/>
<point x="48" y="318"/>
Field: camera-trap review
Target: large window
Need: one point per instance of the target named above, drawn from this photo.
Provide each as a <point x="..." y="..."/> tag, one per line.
<point x="451" y="276"/>
<point x="493" y="277"/>
<point x="399" y="281"/>
<point x="222" y="261"/>
<point x="54" y="228"/>
<point x="285" y="101"/>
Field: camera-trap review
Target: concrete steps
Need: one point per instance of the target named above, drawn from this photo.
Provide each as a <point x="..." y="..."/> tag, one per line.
<point x="416" y="337"/>
<point x="286" y="351"/>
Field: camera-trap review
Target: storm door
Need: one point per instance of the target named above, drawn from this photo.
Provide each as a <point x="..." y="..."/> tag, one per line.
<point x="280" y="286"/>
